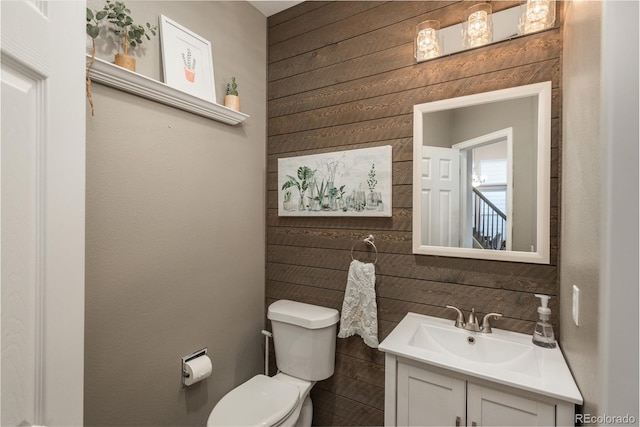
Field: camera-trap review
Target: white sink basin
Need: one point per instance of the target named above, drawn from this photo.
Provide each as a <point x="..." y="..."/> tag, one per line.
<point x="505" y="357"/>
<point x="475" y="347"/>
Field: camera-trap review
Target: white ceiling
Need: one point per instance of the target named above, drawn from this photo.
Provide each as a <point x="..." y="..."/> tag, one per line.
<point x="271" y="7"/>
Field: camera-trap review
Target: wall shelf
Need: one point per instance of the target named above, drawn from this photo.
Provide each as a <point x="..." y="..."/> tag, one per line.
<point x="117" y="77"/>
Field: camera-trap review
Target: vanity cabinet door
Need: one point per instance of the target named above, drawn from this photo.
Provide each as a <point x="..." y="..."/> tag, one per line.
<point x="425" y="398"/>
<point x="490" y="407"/>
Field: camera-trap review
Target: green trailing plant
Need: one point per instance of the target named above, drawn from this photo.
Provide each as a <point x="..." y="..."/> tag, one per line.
<point x="93" y="23"/>
<point x="93" y="31"/>
<point x="129" y="33"/>
<point x="232" y="88"/>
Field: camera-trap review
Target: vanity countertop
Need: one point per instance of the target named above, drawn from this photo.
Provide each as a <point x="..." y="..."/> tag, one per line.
<point x="503" y="357"/>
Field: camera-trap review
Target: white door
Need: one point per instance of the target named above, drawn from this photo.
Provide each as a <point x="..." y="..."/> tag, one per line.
<point x="42" y="170"/>
<point x="440" y="196"/>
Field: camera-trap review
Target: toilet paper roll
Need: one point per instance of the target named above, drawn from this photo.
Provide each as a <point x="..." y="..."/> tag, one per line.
<point x="197" y="369"/>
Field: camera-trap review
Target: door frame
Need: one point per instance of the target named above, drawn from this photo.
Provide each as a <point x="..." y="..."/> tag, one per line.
<point x="465" y="147"/>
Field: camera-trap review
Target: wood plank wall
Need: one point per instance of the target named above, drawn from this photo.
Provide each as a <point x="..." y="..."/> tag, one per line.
<point x="341" y="76"/>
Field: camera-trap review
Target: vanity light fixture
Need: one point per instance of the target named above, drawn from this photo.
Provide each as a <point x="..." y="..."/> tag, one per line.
<point x="537" y="16"/>
<point x="477" y="27"/>
<point x="428" y="43"/>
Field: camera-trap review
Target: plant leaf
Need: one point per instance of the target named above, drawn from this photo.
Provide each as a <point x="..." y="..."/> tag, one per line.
<point x="101" y="14"/>
<point x="93" y="31"/>
<point x="89" y="15"/>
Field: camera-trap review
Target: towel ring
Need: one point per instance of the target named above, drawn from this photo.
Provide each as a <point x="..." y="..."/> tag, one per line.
<point x="368" y="241"/>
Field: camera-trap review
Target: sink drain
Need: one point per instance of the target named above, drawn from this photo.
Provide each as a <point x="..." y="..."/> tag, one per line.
<point x="471" y="340"/>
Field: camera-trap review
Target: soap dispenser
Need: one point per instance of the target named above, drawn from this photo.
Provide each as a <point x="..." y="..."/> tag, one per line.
<point x="543" y="335"/>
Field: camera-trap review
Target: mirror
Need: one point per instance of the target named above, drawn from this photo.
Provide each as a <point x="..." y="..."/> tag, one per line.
<point x="481" y="175"/>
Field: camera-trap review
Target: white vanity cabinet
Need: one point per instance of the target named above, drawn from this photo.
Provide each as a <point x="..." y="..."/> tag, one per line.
<point x="440" y="375"/>
<point x="417" y="394"/>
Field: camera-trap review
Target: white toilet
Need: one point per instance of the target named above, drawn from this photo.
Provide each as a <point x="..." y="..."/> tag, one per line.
<point x="304" y="338"/>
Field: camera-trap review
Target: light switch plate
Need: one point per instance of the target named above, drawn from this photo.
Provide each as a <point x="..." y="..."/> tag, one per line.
<point x="576" y="305"/>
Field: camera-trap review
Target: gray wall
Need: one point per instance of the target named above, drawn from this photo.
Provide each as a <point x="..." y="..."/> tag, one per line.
<point x="175" y="231"/>
<point x="582" y="192"/>
<point x="599" y="227"/>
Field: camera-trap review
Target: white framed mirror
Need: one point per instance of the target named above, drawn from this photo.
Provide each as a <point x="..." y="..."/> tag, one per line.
<point x="481" y="175"/>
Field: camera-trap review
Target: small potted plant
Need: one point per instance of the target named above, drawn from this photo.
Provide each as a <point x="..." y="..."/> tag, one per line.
<point x="127" y="32"/>
<point x="231" y="99"/>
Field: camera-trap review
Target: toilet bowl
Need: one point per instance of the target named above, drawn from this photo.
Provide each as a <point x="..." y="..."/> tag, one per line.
<point x="304" y="340"/>
<point x="265" y="401"/>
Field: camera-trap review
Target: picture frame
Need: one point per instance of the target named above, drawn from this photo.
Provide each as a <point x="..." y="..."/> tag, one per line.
<point x="187" y="60"/>
<point x="354" y="183"/>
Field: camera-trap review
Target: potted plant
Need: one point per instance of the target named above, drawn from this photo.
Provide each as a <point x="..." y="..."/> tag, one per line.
<point x="231" y="99"/>
<point x="126" y="31"/>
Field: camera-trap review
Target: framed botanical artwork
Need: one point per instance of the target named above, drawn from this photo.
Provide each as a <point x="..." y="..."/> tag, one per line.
<point x="343" y="183"/>
<point x="187" y="60"/>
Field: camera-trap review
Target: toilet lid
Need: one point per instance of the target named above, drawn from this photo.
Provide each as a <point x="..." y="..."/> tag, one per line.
<point x="261" y="401"/>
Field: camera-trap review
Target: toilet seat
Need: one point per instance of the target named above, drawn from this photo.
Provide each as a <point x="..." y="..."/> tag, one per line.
<point x="270" y="400"/>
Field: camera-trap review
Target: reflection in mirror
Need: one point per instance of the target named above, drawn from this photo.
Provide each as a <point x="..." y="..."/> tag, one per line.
<point x="481" y="175"/>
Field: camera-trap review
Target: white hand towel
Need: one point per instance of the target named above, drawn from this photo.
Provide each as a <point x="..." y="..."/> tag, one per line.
<point x="359" y="309"/>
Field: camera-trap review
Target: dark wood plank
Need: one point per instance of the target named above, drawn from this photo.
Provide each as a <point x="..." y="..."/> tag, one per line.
<point x="508" y="55"/>
<point x="489" y="274"/>
<point x="360" y="370"/>
<point x="399" y="103"/>
<point x="354" y="412"/>
<point x="358" y="391"/>
<point x="494" y="57"/>
<point x="297" y="11"/>
<point x="402" y="151"/>
<point x="326" y="418"/>
<point x="401" y="220"/>
<point x="348" y="27"/>
<point x="329" y="13"/>
<point x="395" y="25"/>
<point x="390" y="241"/>
<point x="514" y="304"/>
<point x="344" y="136"/>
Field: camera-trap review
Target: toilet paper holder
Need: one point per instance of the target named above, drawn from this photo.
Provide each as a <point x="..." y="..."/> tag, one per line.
<point x="185" y="359"/>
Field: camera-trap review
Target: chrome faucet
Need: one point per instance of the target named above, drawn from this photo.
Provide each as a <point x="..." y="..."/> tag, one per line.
<point x="471" y="324"/>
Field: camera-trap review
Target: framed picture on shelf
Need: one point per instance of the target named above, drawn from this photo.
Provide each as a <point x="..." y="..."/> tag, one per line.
<point x="342" y="183"/>
<point x="187" y="60"/>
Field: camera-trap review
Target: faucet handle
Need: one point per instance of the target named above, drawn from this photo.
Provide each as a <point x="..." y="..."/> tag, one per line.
<point x="486" y="326"/>
<point x="460" y="319"/>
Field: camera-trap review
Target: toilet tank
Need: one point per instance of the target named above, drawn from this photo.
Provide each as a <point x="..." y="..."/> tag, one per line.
<point x="304" y="338"/>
